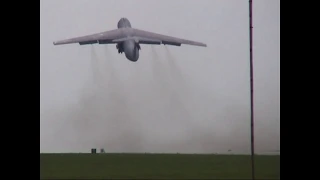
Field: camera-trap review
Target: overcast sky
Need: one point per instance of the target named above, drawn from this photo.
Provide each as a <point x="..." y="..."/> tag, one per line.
<point x="184" y="99"/>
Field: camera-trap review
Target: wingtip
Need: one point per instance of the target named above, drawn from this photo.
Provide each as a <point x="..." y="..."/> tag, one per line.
<point x="57" y="42"/>
<point x="202" y="44"/>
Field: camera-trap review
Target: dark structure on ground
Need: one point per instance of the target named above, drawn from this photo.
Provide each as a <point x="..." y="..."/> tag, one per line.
<point x="93" y="151"/>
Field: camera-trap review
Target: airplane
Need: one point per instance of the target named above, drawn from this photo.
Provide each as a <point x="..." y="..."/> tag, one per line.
<point x="128" y="39"/>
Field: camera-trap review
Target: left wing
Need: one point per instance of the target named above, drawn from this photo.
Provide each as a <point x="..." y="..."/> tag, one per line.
<point x="149" y="37"/>
<point x="106" y="37"/>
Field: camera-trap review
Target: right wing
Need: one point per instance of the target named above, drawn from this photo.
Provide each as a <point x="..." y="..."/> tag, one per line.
<point x="106" y="37"/>
<point x="163" y="39"/>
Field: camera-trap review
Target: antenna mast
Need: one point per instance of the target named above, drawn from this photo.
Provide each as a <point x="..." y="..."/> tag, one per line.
<point x="251" y="92"/>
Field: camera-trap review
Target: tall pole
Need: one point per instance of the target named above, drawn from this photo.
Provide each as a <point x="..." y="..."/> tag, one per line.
<point x="251" y="92"/>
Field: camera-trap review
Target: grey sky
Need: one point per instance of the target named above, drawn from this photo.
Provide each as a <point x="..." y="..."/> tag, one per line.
<point x="174" y="99"/>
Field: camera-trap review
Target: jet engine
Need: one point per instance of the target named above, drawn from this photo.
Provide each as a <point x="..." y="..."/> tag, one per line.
<point x="120" y="48"/>
<point x="138" y="46"/>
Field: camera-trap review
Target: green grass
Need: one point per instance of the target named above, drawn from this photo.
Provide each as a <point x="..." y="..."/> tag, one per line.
<point x="179" y="166"/>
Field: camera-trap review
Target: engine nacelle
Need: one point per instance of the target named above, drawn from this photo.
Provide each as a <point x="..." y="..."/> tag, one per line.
<point x="138" y="46"/>
<point x="120" y="48"/>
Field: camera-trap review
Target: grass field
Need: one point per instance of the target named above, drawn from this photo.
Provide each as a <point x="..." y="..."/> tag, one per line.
<point x="178" y="166"/>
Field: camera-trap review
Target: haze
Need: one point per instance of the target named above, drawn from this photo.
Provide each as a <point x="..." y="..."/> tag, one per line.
<point x="173" y="99"/>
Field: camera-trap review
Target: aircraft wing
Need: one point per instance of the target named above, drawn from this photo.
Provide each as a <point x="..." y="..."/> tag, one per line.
<point x="150" y="38"/>
<point x="122" y="34"/>
<point x="106" y="37"/>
